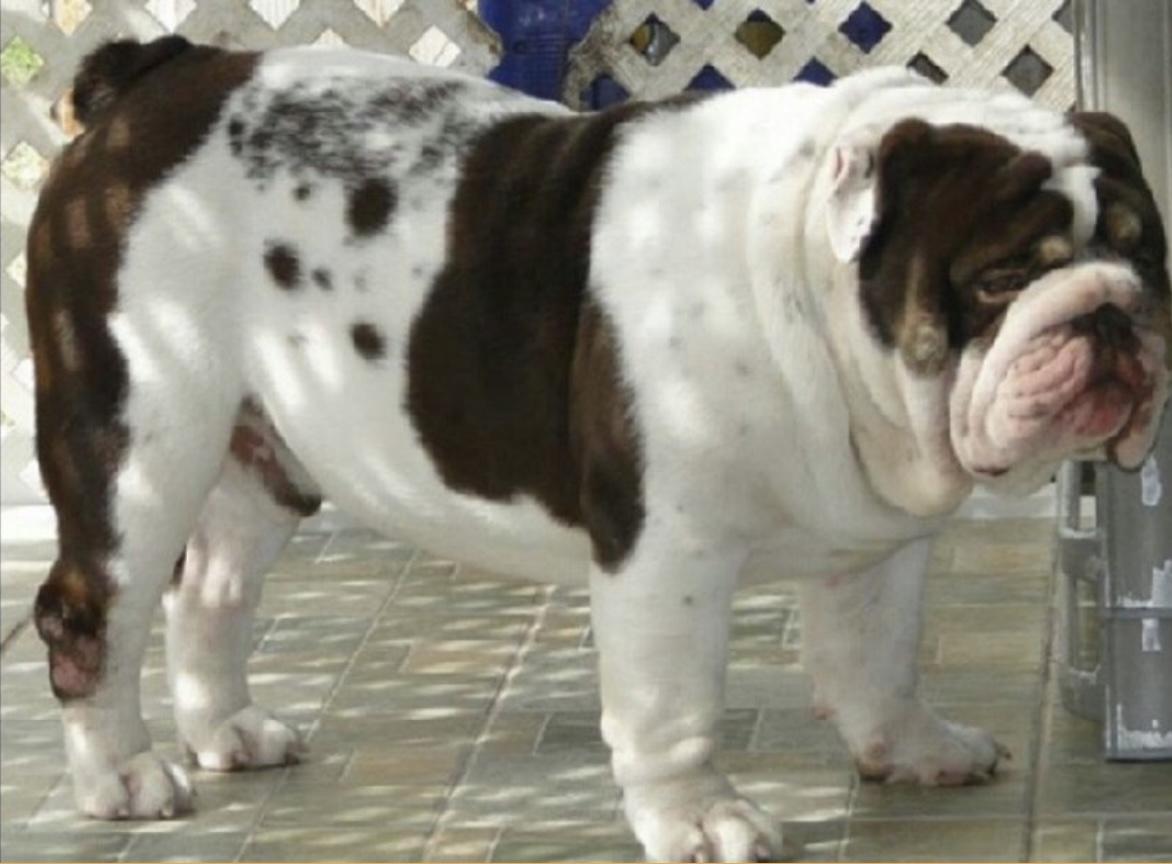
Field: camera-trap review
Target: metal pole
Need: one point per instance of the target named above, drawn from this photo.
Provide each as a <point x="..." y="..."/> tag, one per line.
<point x="1125" y="67"/>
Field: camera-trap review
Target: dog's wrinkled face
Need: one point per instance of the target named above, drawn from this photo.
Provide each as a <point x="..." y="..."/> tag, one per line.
<point x="1041" y="317"/>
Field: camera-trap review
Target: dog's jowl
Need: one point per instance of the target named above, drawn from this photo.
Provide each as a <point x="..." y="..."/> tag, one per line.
<point x="663" y="349"/>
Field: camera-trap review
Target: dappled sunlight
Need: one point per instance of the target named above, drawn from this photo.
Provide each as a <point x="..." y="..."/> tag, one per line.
<point x="444" y="699"/>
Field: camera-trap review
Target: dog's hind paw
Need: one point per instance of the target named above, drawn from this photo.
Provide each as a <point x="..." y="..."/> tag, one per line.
<point x="250" y="738"/>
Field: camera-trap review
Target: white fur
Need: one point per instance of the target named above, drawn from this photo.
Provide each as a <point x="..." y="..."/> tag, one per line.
<point x="778" y="438"/>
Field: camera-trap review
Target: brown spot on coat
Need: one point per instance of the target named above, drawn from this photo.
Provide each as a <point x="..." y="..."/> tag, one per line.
<point x="93" y="193"/>
<point x="283" y="265"/>
<point x="515" y="382"/>
<point x="368" y="340"/>
<point x="370" y="207"/>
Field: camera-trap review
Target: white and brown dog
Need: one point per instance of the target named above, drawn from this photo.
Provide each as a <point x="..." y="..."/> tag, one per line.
<point x="663" y="348"/>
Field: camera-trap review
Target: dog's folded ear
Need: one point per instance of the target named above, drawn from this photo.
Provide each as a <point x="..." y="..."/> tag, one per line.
<point x="867" y="168"/>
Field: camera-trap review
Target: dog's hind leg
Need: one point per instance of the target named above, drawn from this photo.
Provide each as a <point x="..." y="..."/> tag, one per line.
<point x="128" y="461"/>
<point x="254" y="508"/>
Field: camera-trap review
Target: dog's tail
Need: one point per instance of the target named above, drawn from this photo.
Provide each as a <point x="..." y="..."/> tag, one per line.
<point x="109" y="71"/>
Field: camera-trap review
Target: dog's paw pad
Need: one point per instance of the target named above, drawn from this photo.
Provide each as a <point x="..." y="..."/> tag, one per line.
<point x="250" y="738"/>
<point x="143" y="787"/>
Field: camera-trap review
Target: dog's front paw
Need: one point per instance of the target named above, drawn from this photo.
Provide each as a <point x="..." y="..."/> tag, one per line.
<point x="926" y="749"/>
<point x="145" y="786"/>
<point x="250" y="738"/>
<point x="701" y="820"/>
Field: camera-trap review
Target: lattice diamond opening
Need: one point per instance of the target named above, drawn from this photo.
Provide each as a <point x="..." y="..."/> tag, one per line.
<point x="18" y="269"/>
<point x="924" y="65"/>
<point x="171" y="13"/>
<point x="603" y="92"/>
<point x="274" y="12"/>
<point x="709" y="78"/>
<point x="19" y="62"/>
<point x="971" y="22"/>
<point x="1028" y="71"/>
<point x="653" y="39"/>
<point x="24" y="166"/>
<point x="759" y="34"/>
<point x="815" y="72"/>
<point x="68" y="15"/>
<point x="379" y="11"/>
<point x="1064" y="16"/>
<point x="435" y="48"/>
<point x="329" y="37"/>
<point x="865" y="27"/>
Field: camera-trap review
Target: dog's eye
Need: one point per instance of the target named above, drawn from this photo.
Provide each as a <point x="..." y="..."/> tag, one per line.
<point x="999" y="286"/>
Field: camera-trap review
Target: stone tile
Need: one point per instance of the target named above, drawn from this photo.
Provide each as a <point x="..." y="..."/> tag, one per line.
<point x="935" y="840"/>
<point x="404" y="806"/>
<point x="606" y="842"/>
<point x="800" y="739"/>
<point x="201" y="846"/>
<point x="788" y="792"/>
<point x="1079" y="788"/>
<point x="578" y="730"/>
<point x="513" y="733"/>
<point x="460" y="657"/>
<point x="816" y="840"/>
<point x="57" y="846"/>
<point x="1004" y="796"/>
<point x="462" y="844"/>
<point x="414" y="727"/>
<point x="942" y="687"/>
<point x="374" y="765"/>
<point x="385" y="842"/>
<point x="1116" y="838"/>
<point x="976" y="649"/>
<point x="1071" y="738"/>
<point x="535" y="790"/>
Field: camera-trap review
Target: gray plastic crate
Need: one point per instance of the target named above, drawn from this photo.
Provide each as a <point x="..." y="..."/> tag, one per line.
<point x="1114" y="644"/>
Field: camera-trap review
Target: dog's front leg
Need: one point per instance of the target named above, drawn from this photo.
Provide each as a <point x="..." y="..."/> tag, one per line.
<point x="661" y="624"/>
<point x="860" y="638"/>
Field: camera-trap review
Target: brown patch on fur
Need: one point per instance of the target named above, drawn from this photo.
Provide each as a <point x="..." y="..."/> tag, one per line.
<point x="75" y="245"/>
<point x="514" y="374"/>
<point x="960" y="212"/>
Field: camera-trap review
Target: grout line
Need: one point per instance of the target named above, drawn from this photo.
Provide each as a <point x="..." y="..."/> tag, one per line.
<point x="1039" y="735"/>
<point x="494" y="711"/>
<point x="400" y="578"/>
<point x="16" y="631"/>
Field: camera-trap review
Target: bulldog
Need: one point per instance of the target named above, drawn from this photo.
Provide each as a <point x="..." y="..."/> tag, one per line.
<point x="664" y="348"/>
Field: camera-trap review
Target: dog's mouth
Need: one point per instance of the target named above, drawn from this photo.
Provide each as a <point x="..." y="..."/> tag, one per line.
<point x="1076" y="370"/>
<point x="1086" y="376"/>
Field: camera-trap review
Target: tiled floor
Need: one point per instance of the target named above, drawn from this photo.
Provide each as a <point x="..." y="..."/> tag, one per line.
<point x="452" y="716"/>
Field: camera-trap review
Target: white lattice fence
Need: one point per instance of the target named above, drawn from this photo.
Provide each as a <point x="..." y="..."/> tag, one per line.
<point x="41" y="44"/>
<point x="654" y="48"/>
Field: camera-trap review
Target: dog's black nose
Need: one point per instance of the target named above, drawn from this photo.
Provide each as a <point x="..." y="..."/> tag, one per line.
<point x="1111" y="327"/>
